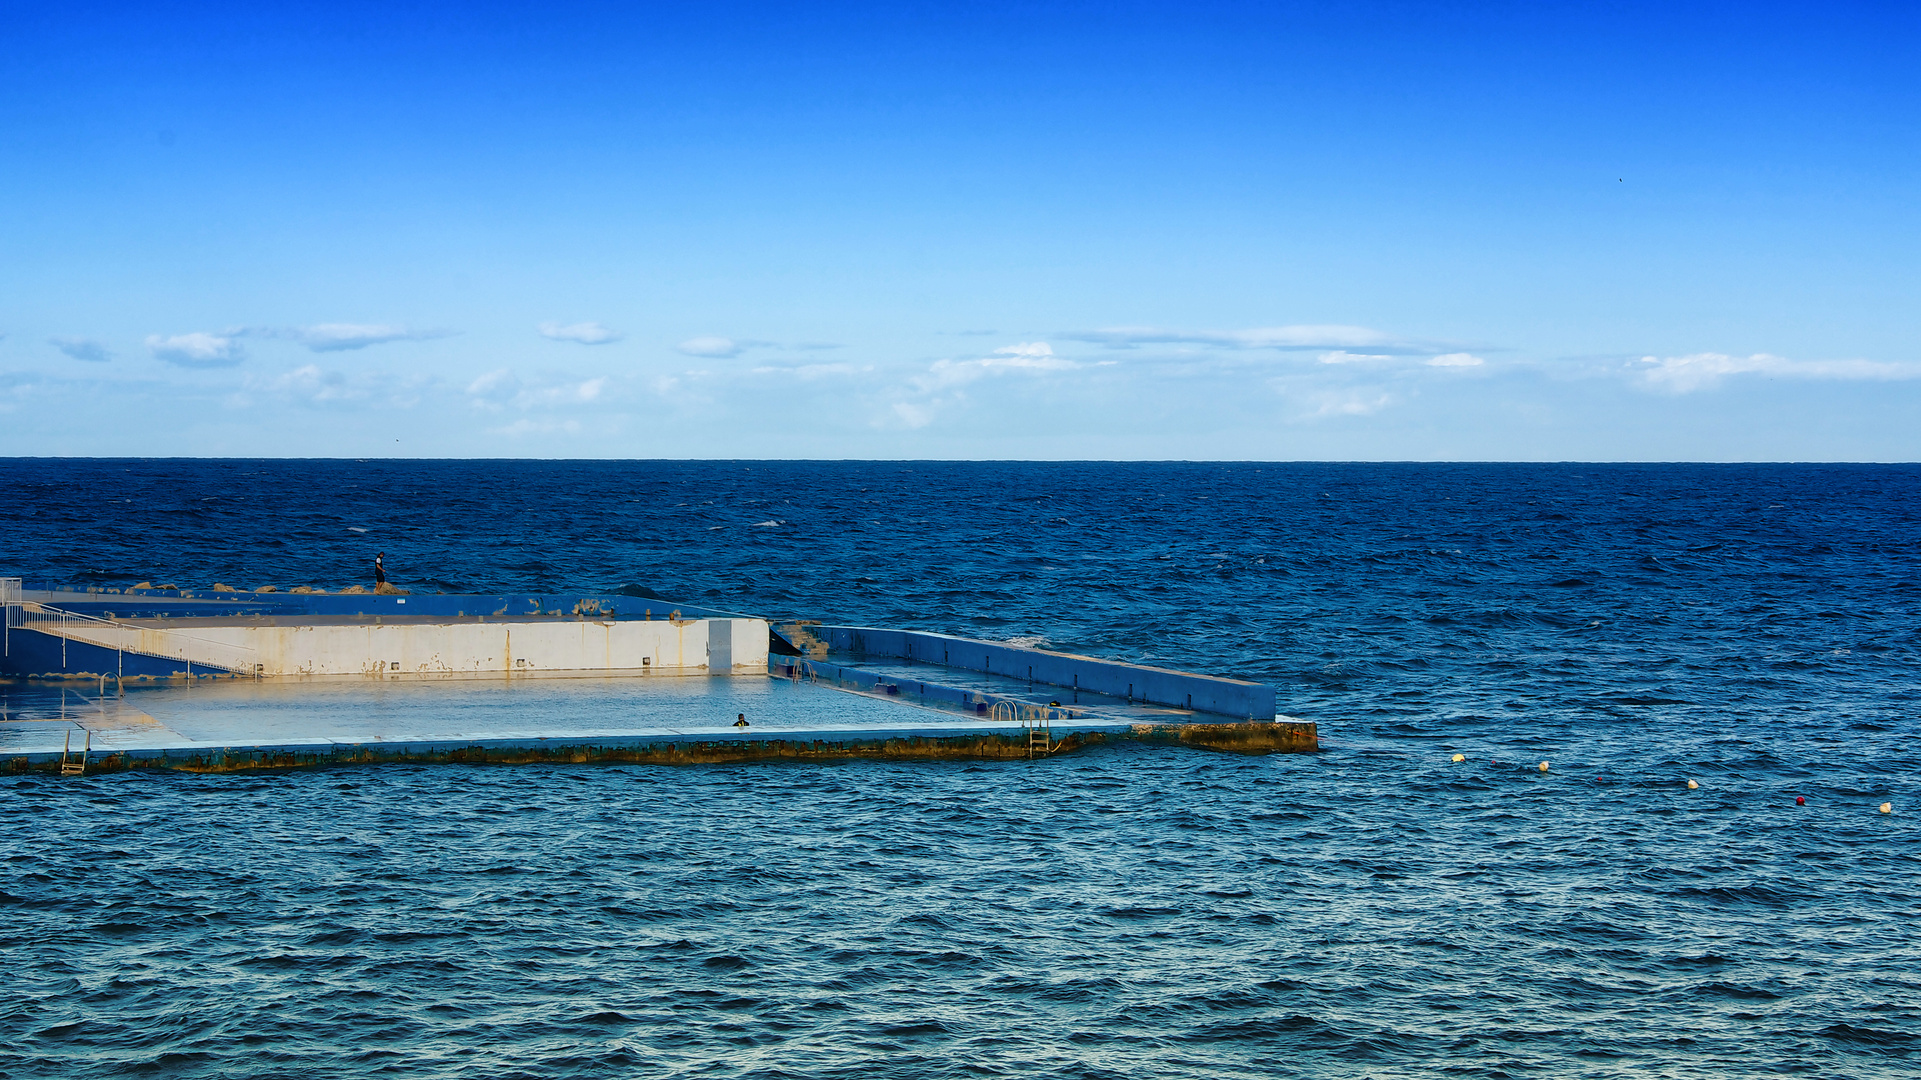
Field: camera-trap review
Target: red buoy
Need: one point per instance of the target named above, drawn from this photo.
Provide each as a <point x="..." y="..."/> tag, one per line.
<point x="1800" y="800"/>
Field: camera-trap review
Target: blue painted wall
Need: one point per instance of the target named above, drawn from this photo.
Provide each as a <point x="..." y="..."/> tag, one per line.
<point x="1159" y="686"/>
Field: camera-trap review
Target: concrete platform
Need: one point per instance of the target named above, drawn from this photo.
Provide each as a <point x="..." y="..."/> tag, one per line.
<point x="239" y="725"/>
<point x="137" y="635"/>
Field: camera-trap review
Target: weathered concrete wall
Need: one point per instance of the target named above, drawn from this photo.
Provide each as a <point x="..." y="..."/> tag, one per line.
<point x="711" y="751"/>
<point x="1135" y="682"/>
<point x="428" y="649"/>
<point x="948" y="744"/>
<point x="1278" y="737"/>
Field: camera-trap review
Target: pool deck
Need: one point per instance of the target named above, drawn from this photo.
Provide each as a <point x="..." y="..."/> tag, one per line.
<point x="243" y="725"/>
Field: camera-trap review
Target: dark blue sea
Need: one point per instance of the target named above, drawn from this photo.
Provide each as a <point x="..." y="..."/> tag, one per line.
<point x="1370" y="910"/>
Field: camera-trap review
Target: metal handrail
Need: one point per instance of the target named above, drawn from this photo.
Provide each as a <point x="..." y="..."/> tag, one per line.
<point x="1036" y="721"/>
<point x="28" y="615"/>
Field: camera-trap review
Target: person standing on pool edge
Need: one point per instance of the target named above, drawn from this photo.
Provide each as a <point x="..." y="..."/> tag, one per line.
<point x="380" y="570"/>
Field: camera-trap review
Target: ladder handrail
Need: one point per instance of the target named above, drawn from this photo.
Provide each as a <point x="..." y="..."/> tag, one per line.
<point x="1036" y="721"/>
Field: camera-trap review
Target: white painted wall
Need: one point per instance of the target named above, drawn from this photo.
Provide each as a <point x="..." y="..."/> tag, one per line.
<point x="425" y="650"/>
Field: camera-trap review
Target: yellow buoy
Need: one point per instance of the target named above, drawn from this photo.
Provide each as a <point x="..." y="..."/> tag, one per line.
<point x="1887" y="808"/>
<point x="1692" y="785"/>
<point x="1543" y="766"/>
<point x="1460" y="757"/>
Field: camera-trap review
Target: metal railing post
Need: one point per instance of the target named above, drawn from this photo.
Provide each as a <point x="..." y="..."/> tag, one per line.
<point x="9" y="610"/>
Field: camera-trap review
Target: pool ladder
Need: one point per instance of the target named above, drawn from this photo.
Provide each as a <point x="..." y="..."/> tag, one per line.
<point x="69" y="765"/>
<point x="1037" y="723"/>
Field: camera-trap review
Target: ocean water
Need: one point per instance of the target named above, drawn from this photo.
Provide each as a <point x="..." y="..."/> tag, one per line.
<point x="1371" y="910"/>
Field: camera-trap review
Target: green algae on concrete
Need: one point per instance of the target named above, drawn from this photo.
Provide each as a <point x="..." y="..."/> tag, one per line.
<point x="1245" y="738"/>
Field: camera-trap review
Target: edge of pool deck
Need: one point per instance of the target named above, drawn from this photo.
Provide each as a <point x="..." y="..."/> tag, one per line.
<point x="664" y="747"/>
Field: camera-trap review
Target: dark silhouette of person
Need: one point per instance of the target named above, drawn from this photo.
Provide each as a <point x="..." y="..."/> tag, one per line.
<point x="380" y="570"/>
<point x="742" y="722"/>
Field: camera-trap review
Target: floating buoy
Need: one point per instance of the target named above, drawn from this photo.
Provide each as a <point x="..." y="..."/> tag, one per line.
<point x="1887" y="808"/>
<point x="1692" y="785"/>
<point x="1460" y="757"/>
<point x="1543" y="766"/>
<point x="1800" y="800"/>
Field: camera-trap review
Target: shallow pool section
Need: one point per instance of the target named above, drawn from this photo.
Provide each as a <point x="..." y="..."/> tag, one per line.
<point x="38" y="720"/>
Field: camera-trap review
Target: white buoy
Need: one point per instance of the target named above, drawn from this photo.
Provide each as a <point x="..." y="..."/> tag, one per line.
<point x="1887" y="808"/>
<point x="1692" y="785"/>
<point x="1543" y="766"/>
<point x="1460" y="757"/>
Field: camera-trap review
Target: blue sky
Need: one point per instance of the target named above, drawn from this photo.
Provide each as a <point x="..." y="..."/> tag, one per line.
<point x="1348" y="231"/>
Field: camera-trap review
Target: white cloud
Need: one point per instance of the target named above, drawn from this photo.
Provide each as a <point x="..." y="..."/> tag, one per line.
<point x="815" y="371"/>
<point x="498" y="389"/>
<point x="316" y="387"/>
<point x="1302" y="337"/>
<point x="1032" y="357"/>
<point x="1319" y="403"/>
<point x="1455" y="359"/>
<point x="199" y="349"/>
<point x="912" y="415"/>
<point x="585" y="333"/>
<point x="1031" y="350"/>
<point x="525" y="426"/>
<point x="943" y="383"/>
<point x="714" y="347"/>
<point x="1701" y="371"/>
<point x="80" y="348"/>
<point x="15" y="386"/>
<point x="494" y="385"/>
<point x="337" y="337"/>
<point x="223" y="349"/>
<point x="1351" y="404"/>
<point x="1342" y="356"/>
